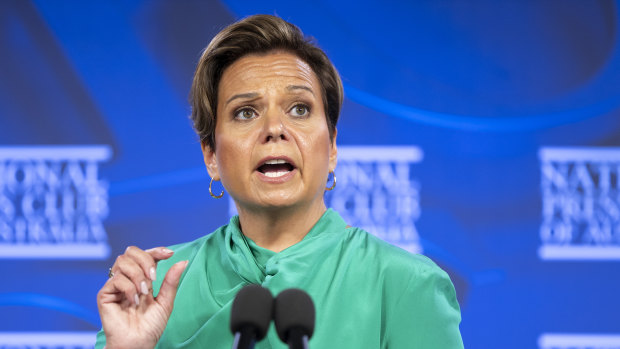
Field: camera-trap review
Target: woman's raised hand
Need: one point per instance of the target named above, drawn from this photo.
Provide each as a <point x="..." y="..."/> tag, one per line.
<point x="130" y="315"/>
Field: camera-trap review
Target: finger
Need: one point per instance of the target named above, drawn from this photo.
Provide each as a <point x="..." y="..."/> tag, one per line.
<point x="111" y="298"/>
<point x="168" y="289"/>
<point x="108" y="294"/>
<point x="128" y="267"/>
<point x="160" y="253"/>
<point x="148" y="259"/>
<point x="118" y="289"/>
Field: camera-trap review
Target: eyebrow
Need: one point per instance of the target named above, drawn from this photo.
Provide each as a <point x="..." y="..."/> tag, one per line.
<point x="242" y="95"/>
<point x="299" y="87"/>
<point x="251" y="95"/>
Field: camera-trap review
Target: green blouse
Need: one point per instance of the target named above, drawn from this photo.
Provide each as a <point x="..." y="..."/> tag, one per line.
<point x="367" y="293"/>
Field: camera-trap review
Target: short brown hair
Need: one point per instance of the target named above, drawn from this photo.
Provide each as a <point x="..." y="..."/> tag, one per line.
<point x="256" y="35"/>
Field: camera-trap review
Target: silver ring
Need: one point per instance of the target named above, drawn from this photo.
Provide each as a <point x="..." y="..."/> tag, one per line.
<point x="110" y="273"/>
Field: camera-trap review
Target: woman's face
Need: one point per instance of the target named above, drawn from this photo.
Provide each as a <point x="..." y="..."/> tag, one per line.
<point x="273" y="148"/>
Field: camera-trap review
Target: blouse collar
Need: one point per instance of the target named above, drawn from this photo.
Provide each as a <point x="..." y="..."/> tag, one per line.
<point x="255" y="263"/>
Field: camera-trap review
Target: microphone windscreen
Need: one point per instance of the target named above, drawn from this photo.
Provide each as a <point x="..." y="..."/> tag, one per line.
<point x="253" y="306"/>
<point x="293" y="309"/>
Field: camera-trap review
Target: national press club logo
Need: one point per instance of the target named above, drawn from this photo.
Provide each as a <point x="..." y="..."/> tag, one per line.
<point x="52" y="202"/>
<point x="580" y="220"/>
<point x="376" y="191"/>
<point x="580" y="203"/>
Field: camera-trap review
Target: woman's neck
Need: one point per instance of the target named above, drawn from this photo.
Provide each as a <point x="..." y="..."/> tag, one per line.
<point x="278" y="229"/>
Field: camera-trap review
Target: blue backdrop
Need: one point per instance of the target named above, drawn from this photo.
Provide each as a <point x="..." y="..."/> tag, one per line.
<point x="513" y="107"/>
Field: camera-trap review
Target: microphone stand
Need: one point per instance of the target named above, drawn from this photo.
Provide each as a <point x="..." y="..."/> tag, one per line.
<point x="297" y="339"/>
<point x="245" y="339"/>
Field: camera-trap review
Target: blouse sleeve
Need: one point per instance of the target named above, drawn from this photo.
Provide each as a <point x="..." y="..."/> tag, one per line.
<point x="426" y="315"/>
<point x="100" y="343"/>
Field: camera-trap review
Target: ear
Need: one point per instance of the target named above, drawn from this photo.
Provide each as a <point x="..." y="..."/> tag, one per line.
<point x="210" y="160"/>
<point x="333" y="152"/>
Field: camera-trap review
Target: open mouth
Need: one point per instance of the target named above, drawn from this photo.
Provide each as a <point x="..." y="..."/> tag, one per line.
<point x="275" y="168"/>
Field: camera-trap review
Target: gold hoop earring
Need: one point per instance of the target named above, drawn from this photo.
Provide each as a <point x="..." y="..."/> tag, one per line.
<point x="211" y="192"/>
<point x="334" y="184"/>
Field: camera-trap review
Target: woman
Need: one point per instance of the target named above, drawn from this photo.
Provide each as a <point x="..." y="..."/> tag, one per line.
<point x="265" y="103"/>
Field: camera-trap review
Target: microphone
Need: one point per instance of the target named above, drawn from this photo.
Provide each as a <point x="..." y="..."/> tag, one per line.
<point x="294" y="318"/>
<point x="250" y="316"/>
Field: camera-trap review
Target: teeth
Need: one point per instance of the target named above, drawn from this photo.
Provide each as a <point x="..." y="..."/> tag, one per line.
<point x="276" y="174"/>
<point x="275" y="162"/>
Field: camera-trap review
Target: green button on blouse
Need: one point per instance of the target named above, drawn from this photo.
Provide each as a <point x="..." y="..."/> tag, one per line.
<point x="367" y="293"/>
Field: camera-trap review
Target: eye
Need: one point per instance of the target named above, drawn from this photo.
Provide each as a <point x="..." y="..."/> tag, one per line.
<point x="300" y="110"/>
<point x="245" y="114"/>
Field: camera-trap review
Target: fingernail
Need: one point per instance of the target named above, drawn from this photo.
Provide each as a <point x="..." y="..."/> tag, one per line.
<point x="145" y="290"/>
<point x="136" y="299"/>
<point x="167" y="250"/>
<point x="152" y="272"/>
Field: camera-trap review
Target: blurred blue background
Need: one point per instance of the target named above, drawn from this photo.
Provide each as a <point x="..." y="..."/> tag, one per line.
<point x="480" y="87"/>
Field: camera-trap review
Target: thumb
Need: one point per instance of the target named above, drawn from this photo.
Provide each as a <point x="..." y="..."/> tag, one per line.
<point x="168" y="289"/>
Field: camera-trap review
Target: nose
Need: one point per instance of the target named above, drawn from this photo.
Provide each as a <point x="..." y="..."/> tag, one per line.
<point x="274" y="128"/>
